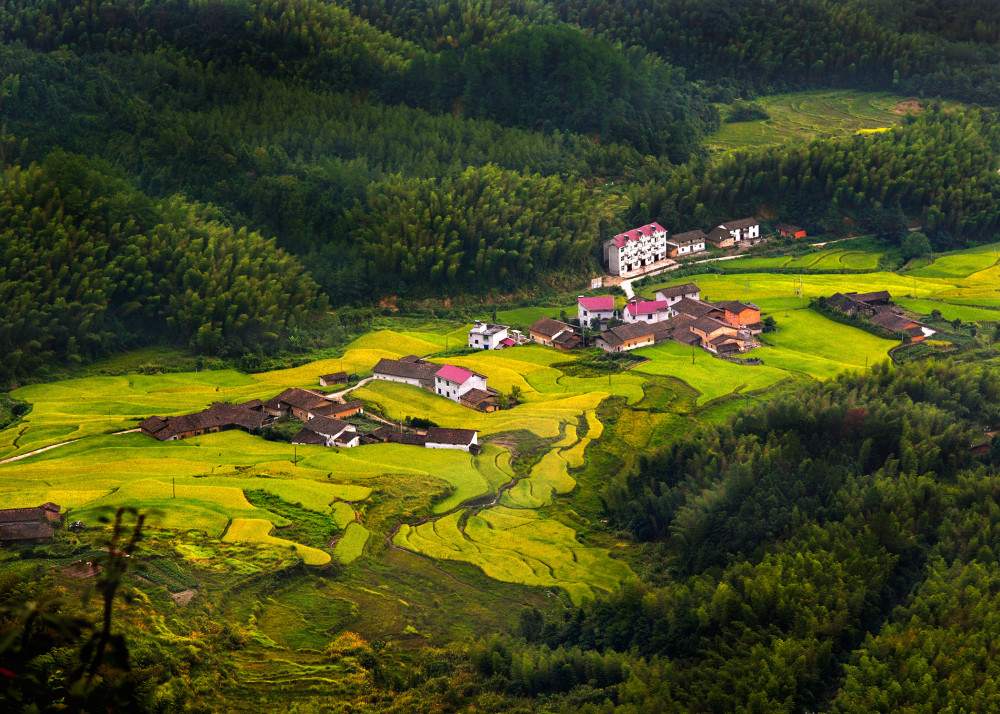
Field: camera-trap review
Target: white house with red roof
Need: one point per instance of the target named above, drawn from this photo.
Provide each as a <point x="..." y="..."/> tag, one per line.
<point x="594" y="312"/>
<point x="636" y="250"/>
<point x="453" y="382"/>
<point x="648" y="311"/>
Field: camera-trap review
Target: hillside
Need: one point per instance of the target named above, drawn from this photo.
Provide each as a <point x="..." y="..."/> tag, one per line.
<point x="229" y="221"/>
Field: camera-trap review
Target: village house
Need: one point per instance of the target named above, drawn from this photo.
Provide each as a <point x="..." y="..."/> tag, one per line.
<point x="463" y="439"/>
<point x="636" y="250"/>
<point x="486" y="336"/>
<point x="675" y="294"/>
<point x="627" y="337"/>
<point x="554" y="333"/>
<point x="325" y="431"/>
<point x="726" y="235"/>
<point x="739" y="314"/>
<point x="646" y="311"/>
<point x="407" y="370"/>
<point x="595" y="312"/>
<point x="336" y="410"/>
<point x="452" y="382"/>
<point x="689" y="243"/>
<point x="218" y="417"/>
<point x="484" y="400"/>
<point x="303" y="404"/>
<point x="28" y="525"/>
<point x="328" y="380"/>
<point x="877" y="307"/>
<point x="789" y="231"/>
<point x="900" y="324"/>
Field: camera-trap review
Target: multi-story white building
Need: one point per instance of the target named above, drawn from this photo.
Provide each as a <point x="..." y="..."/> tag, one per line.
<point x="636" y="250"/>
<point x="681" y="244"/>
<point x="484" y="336"/>
<point x="726" y="235"/>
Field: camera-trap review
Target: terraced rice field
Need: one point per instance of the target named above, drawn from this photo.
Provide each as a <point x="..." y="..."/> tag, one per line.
<point x="256" y="530"/>
<point x="352" y="544"/>
<point x="816" y="261"/>
<point x="800" y="117"/>
<point x="516" y="545"/>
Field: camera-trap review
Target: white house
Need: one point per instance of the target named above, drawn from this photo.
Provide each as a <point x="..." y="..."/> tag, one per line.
<point x="686" y="243"/>
<point x="648" y="311"/>
<point x="729" y="234"/>
<point x="636" y="250"/>
<point x="325" y="431"/>
<point x="484" y="336"/>
<point x="463" y="439"/>
<point x="675" y="294"/>
<point x="595" y="311"/>
<point x="452" y="382"/>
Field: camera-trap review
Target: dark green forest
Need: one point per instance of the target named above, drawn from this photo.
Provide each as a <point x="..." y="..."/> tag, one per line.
<point x="834" y="550"/>
<point x="480" y="133"/>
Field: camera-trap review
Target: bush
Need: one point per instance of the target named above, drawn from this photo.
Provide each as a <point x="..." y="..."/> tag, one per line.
<point x="746" y="111"/>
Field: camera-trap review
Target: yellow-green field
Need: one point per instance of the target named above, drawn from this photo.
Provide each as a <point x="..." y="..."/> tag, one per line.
<point x="800" y="117"/>
<point x="818" y="260"/>
<point x="200" y="483"/>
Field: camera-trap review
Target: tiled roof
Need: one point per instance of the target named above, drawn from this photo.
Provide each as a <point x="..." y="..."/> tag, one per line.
<point x="787" y="228"/>
<point x="548" y="327"/>
<point x="454" y="374"/>
<point x="508" y="341"/>
<point x="891" y="321"/>
<point x="406" y="368"/>
<point x="695" y="308"/>
<point x="218" y="415"/>
<point x="646" y="307"/>
<point x="335" y="408"/>
<point x="328" y="426"/>
<point x="735" y="305"/>
<point x="696" y="236"/>
<point x="336" y="376"/>
<point x="305" y="435"/>
<point x="439" y="435"/>
<point x="741" y="223"/>
<point x="617" y="336"/>
<point x="477" y="396"/>
<point x="678" y="290"/>
<point x="603" y="303"/>
<point x="709" y="325"/>
<point x="638" y="233"/>
<point x="871" y="297"/>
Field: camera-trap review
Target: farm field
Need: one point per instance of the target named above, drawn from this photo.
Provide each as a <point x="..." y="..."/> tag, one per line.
<point x="199" y="484"/>
<point x="799" y="117"/>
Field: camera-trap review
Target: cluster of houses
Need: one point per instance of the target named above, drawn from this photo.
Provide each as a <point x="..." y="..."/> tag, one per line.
<point x="650" y="246"/>
<point x="878" y="309"/>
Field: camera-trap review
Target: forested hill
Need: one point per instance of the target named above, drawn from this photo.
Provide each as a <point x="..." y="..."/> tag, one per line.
<point x="834" y="550"/>
<point x="448" y="148"/>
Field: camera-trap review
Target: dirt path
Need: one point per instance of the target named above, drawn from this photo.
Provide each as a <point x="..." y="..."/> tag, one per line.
<point x="339" y="396"/>
<point x="36" y="451"/>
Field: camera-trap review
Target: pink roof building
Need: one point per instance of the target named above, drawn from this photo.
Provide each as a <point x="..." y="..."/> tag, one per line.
<point x="638" y="233"/>
<point x="454" y="374"/>
<point x="646" y="307"/>
<point x="604" y="303"/>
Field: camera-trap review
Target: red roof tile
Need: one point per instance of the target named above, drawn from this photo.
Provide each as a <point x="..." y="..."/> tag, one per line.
<point x="638" y="233"/>
<point x="646" y="307"/>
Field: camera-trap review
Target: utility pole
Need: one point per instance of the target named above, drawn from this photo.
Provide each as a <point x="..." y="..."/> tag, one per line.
<point x="692" y="354"/>
<point x="173" y="480"/>
<point x="295" y="456"/>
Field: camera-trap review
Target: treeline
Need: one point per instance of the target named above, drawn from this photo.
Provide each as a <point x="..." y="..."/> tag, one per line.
<point x="835" y="550"/>
<point x="90" y="266"/>
<point x="940" y="166"/>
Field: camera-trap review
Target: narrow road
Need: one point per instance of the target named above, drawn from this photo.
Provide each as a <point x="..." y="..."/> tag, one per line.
<point x="626" y="285"/>
<point x="37" y="451"/>
<point x="339" y="396"/>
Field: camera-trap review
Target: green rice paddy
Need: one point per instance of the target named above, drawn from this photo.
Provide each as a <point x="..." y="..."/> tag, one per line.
<point x="800" y="117"/>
